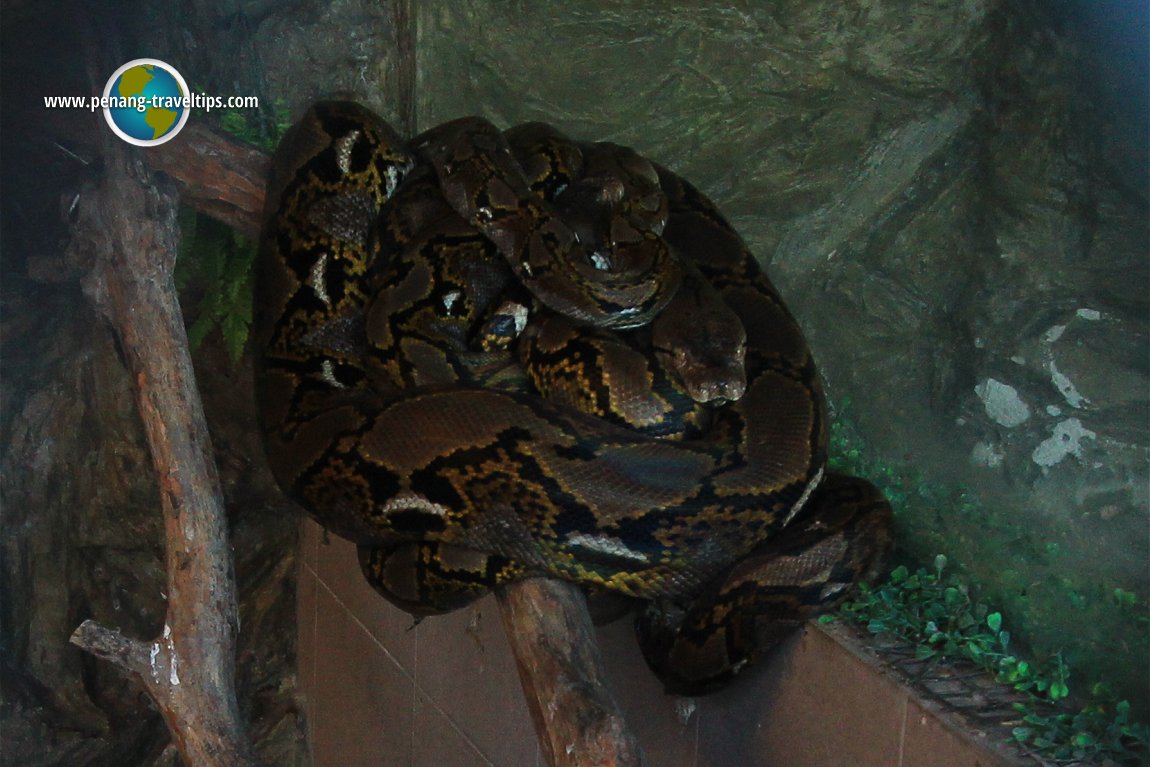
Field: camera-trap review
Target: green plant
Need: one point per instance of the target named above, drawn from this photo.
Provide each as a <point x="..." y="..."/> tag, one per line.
<point x="1102" y="729"/>
<point x="934" y="610"/>
<point x="253" y="128"/>
<point x="219" y="262"/>
<point x="1037" y="574"/>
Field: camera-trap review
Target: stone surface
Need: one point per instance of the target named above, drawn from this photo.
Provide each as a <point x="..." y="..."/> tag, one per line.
<point x="318" y="50"/>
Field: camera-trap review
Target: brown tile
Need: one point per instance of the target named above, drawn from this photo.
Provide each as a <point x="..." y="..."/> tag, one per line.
<point x="306" y="608"/>
<point x="361" y="705"/>
<point x="665" y="725"/>
<point x="731" y="721"/>
<point x="338" y="567"/>
<point x="466" y="668"/>
<point x="930" y="742"/>
<point x="310" y="535"/>
<point x="456" y="700"/>
<point x="810" y="704"/>
<point x="438" y="743"/>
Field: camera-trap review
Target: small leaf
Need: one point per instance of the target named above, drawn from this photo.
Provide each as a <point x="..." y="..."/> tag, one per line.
<point x="994" y="622"/>
<point x="235" y="330"/>
<point x="1084" y="739"/>
<point x="940" y="565"/>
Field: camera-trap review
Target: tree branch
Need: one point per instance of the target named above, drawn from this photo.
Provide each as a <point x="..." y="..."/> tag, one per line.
<point x="112" y="646"/>
<point x="563" y="677"/>
<point x="217" y="175"/>
<point x="128" y="235"/>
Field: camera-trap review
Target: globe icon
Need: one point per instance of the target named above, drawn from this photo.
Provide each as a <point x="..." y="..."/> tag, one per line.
<point x="146" y="102"/>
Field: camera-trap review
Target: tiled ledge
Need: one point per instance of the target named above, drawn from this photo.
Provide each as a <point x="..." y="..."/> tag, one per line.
<point x="445" y="693"/>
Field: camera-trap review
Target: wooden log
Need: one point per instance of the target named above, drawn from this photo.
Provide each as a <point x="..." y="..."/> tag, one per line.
<point x="217" y="174"/>
<point x="561" y="669"/>
<point x="127" y="234"/>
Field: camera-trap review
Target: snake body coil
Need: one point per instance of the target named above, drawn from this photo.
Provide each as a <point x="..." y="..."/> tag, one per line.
<point x="493" y="355"/>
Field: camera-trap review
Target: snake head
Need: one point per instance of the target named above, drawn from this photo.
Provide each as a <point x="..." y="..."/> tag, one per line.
<point x="700" y="340"/>
<point x="709" y="372"/>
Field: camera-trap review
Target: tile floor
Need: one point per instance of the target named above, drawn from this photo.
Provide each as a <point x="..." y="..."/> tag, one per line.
<point x="381" y="691"/>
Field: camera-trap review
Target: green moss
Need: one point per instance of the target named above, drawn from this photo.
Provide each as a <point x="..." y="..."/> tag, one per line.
<point x="1102" y="630"/>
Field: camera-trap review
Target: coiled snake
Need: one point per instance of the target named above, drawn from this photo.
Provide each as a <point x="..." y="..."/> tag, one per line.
<point x="492" y="355"/>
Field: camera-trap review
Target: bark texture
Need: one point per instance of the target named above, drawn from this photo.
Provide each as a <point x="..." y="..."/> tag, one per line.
<point x="577" y="721"/>
<point x="127" y="230"/>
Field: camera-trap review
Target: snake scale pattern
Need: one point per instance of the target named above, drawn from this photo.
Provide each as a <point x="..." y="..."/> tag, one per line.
<point x="489" y="355"/>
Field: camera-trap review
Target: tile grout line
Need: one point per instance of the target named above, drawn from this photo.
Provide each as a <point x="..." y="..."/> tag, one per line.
<point x="414" y="685"/>
<point x="902" y="729"/>
<point x="418" y="690"/>
<point x="365" y="630"/>
<point x="459" y="731"/>
<point x="374" y="640"/>
<point x="312" y="674"/>
<point x="409" y="675"/>
<point x="309" y="555"/>
<point x="698" y="718"/>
